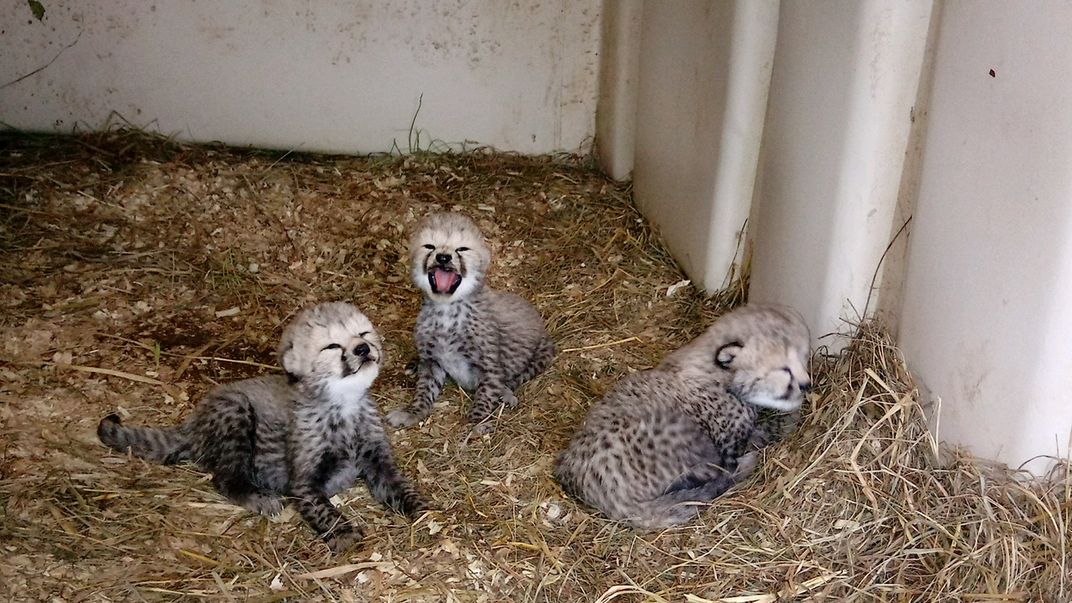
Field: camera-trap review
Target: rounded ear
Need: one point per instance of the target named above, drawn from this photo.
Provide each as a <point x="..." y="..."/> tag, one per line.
<point x="726" y="354"/>
<point x="287" y="358"/>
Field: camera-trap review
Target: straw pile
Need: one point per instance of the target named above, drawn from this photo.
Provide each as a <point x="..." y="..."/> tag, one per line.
<point x="137" y="272"/>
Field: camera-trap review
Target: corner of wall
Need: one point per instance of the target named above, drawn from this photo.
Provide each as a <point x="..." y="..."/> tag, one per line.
<point x="889" y="283"/>
<point x="619" y="69"/>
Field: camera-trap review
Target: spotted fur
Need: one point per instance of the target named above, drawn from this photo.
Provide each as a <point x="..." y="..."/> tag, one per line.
<point x="308" y="435"/>
<point x="667" y="439"/>
<point x="488" y="342"/>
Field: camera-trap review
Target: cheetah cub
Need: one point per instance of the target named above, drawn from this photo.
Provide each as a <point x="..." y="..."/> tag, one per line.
<point x="666" y="439"/>
<point x="309" y="434"/>
<point x="488" y="342"/>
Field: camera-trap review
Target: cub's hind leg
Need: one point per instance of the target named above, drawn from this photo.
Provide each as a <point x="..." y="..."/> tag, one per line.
<point x="227" y="428"/>
<point x="541" y="358"/>
<point x="682" y="506"/>
<point x="699" y="472"/>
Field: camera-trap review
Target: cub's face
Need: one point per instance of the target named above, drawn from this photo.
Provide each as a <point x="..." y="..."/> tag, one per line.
<point x="448" y="257"/>
<point x="332" y="346"/>
<point x="770" y="372"/>
<point x="760" y="352"/>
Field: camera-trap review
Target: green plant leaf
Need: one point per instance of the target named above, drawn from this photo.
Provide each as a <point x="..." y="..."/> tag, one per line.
<point x="37" y="9"/>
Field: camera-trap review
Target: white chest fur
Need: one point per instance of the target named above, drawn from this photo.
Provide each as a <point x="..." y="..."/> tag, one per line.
<point x="351" y="391"/>
<point x="459" y="368"/>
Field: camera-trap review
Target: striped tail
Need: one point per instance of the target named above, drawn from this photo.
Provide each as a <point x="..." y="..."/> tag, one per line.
<point x="167" y="445"/>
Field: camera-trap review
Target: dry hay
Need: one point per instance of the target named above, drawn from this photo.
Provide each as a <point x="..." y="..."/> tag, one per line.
<point x="137" y="272"/>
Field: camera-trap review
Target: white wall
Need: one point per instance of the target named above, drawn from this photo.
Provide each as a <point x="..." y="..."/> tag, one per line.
<point x="879" y="111"/>
<point x="834" y="133"/>
<point x="703" y="79"/>
<point x="619" y="73"/>
<point x="986" y="324"/>
<point x="332" y="75"/>
<point x="837" y="127"/>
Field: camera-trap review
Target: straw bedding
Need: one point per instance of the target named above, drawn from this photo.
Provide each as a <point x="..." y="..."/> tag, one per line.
<point x="137" y="272"/>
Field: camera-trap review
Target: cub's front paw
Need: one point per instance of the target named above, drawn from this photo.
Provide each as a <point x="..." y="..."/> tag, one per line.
<point x="344" y="538"/>
<point x="264" y="504"/>
<point x="508" y="398"/>
<point x="746" y="464"/>
<point x="401" y="418"/>
<point x="484" y="427"/>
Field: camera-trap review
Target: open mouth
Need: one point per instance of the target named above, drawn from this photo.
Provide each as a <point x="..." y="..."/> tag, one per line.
<point x="444" y="280"/>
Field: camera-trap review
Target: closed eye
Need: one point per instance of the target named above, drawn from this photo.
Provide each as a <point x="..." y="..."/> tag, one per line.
<point x="429" y="246"/>
<point x="331" y="346"/>
<point x="363" y="334"/>
<point x="461" y="249"/>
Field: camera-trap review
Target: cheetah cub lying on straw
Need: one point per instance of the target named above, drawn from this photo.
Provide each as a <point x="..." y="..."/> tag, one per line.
<point x="309" y="434"/>
<point x="665" y="439"/>
<point x="488" y="342"/>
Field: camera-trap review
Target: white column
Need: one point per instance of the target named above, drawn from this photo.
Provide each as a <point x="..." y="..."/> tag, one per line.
<point x="838" y="123"/>
<point x="619" y="69"/>
<point x="986" y="323"/>
<point x="704" y="75"/>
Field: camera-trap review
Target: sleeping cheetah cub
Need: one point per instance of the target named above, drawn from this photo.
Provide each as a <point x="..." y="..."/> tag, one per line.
<point x="488" y="342"/>
<point x="309" y="434"/>
<point x="666" y="439"/>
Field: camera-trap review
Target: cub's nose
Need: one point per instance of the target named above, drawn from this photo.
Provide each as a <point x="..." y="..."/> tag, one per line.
<point x="362" y="350"/>
<point x="442" y="258"/>
<point x="805" y="387"/>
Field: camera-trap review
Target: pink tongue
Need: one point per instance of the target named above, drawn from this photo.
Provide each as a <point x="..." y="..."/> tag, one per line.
<point x="444" y="280"/>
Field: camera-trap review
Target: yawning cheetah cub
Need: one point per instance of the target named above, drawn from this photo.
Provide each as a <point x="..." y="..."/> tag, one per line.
<point x="309" y="435"/>
<point x="488" y="342"/>
<point x="665" y="439"/>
